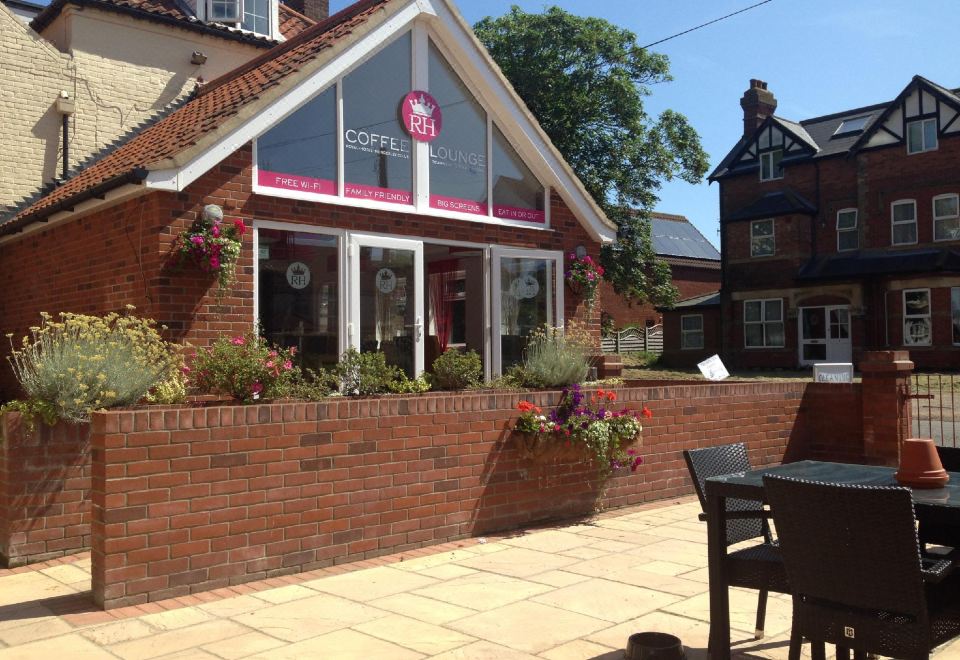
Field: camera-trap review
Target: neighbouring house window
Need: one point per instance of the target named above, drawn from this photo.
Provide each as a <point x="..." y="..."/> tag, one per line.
<point x="763" y="323"/>
<point x="298" y="293"/>
<point x="458" y="156"/>
<point x="848" y="238"/>
<point x="904" y="222"/>
<point x="300" y="153"/>
<point x="517" y="194"/>
<point x="946" y="218"/>
<point x="762" y="240"/>
<point x="224" y="11"/>
<point x="377" y="158"/>
<point x="916" y="317"/>
<point x="770" y="167"/>
<point x="955" y="314"/>
<point x="691" y="331"/>
<point x="922" y="135"/>
<point x="256" y="16"/>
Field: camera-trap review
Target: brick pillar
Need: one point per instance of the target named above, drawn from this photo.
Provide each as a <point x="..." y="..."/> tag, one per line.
<point x="886" y="411"/>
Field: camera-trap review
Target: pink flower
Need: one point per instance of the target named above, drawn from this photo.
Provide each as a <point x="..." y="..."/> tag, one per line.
<point x="196" y="240"/>
<point x="238" y="341"/>
<point x="590" y="276"/>
<point x="214" y="262"/>
<point x="240" y="227"/>
<point x="269" y="364"/>
<point x="588" y="259"/>
<point x="185" y="370"/>
<point x="288" y="365"/>
<point x="215" y="231"/>
<point x="272" y="354"/>
<point x="256" y="388"/>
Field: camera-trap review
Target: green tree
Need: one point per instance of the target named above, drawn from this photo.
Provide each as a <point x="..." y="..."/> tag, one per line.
<point x="585" y="80"/>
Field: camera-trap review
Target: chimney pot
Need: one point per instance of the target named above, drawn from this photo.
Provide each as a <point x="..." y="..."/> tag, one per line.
<point x="758" y="103"/>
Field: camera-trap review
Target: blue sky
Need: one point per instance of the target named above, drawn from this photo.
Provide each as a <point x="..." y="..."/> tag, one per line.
<point x="818" y="56"/>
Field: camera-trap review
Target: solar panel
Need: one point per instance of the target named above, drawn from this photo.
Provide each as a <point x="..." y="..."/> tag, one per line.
<point x="680" y="239"/>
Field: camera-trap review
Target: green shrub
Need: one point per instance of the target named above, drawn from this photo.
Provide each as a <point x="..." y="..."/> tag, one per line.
<point x="80" y="363"/>
<point x="246" y="368"/>
<point x="365" y="373"/>
<point x="456" y="370"/>
<point x="556" y="358"/>
<point x="404" y="385"/>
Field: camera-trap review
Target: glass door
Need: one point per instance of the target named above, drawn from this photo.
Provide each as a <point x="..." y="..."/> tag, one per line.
<point x="386" y="288"/>
<point x="527" y="294"/>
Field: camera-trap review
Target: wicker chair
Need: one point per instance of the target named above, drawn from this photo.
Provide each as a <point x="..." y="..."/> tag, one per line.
<point x="854" y="565"/>
<point x="755" y="567"/>
<point x="938" y="533"/>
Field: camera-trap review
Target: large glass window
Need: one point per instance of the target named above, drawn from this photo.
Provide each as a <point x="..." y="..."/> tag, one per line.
<point x="389" y="317"/>
<point x="526" y="303"/>
<point x="458" y="156"/>
<point x="378" y="158"/>
<point x="300" y="153"/>
<point x="763" y="323"/>
<point x="298" y="294"/>
<point x="916" y="317"/>
<point x="904" y="222"/>
<point x="517" y="195"/>
<point x="946" y="218"/>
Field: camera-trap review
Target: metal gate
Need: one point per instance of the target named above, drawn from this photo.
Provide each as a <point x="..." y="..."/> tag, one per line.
<point x="934" y="402"/>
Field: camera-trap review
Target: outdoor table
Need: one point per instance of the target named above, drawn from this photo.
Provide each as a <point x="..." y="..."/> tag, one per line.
<point x="940" y="505"/>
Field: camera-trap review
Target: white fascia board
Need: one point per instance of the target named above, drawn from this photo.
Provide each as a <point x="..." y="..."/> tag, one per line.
<point x="517" y="123"/>
<point x="176" y="179"/>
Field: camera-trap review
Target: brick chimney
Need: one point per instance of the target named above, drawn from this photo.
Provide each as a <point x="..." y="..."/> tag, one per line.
<point x="758" y="103"/>
<point x="315" y="9"/>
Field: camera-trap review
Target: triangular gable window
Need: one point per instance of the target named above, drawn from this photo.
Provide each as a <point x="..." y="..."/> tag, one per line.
<point x="517" y="195"/>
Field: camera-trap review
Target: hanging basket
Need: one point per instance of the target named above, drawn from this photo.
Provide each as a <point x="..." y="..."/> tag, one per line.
<point x="547" y="447"/>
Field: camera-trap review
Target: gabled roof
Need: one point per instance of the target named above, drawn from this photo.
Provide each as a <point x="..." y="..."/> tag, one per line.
<point x="171" y="153"/>
<point x="820" y="133"/>
<point x="675" y="236"/>
<point x="773" y="204"/>
<point x="171" y="12"/>
<point x="705" y="300"/>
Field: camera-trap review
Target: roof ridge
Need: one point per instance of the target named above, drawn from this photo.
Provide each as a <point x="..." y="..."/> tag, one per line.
<point x="842" y="113"/>
<point x="311" y="32"/>
<point x="286" y="7"/>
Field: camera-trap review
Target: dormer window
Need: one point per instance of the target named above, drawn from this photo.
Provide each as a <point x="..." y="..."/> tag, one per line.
<point x="257" y="16"/>
<point x="922" y="136"/>
<point x="224" y="11"/>
<point x="770" y="167"/>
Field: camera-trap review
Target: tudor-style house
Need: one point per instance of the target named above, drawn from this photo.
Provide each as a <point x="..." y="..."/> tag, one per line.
<point x="841" y="233"/>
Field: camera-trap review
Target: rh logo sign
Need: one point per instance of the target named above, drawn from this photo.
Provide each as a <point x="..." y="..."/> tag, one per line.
<point x="422" y="117"/>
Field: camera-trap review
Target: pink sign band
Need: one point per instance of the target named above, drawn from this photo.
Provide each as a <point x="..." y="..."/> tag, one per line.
<point x="516" y="213"/>
<point x="377" y="194"/>
<point x="295" y="182"/>
<point x="456" y="204"/>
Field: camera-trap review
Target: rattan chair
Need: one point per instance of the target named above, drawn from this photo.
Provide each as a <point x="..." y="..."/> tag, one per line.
<point x="758" y="566"/>
<point x="856" y="572"/>
<point x="939" y="533"/>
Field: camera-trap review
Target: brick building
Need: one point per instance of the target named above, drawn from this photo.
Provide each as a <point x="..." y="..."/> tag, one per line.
<point x="694" y="266"/>
<point x="359" y="231"/>
<point x="839" y="233"/>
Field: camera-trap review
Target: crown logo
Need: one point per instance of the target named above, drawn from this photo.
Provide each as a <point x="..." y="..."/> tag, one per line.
<point x="422" y="107"/>
<point x="298" y="270"/>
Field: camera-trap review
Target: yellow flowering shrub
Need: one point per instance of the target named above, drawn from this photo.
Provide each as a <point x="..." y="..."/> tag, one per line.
<point x="74" y="364"/>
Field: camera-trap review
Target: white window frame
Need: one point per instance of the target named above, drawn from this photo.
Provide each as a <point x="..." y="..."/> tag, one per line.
<point x="855" y="230"/>
<point x="937" y="218"/>
<point x="894" y="223"/>
<point x="924" y="147"/>
<point x="421" y="36"/>
<point x="769" y="156"/>
<point x="772" y="236"/>
<point x="763" y="322"/>
<point x="906" y="317"/>
<point x="686" y="334"/>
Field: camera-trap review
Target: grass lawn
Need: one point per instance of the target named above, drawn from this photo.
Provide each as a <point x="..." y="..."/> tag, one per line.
<point x="644" y="366"/>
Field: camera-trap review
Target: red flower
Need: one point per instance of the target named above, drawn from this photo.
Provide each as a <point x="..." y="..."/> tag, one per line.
<point x="525" y="406"/>
<point x="611" y="396"/>
<point x="240" y="227"/>
<point x="647" y="412"/>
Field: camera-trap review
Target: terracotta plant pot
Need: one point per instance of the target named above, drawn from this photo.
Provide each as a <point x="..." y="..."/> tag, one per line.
<point x="920" y="465"/>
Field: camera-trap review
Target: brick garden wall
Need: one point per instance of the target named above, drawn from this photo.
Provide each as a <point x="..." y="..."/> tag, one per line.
<point x="194" y="499"/>
<point x="44" y="490"/>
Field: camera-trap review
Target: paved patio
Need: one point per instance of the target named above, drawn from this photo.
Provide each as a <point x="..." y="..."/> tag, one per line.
<point x="573" y="591"/>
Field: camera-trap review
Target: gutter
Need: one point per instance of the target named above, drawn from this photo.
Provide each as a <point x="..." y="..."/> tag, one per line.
<point x="136" y="176"/>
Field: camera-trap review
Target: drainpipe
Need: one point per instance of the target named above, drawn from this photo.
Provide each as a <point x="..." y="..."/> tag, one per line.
<point x="66" y="106"/>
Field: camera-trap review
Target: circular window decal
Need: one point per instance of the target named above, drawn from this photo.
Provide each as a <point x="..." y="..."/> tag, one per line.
<point x="386" y="280"/>
<point x="298" y="275"/>
<point x="421" y="115"/>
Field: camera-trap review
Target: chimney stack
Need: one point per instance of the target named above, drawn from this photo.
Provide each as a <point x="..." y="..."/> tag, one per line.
<point x="758" y="103"/>
<point x="318" y="10"/>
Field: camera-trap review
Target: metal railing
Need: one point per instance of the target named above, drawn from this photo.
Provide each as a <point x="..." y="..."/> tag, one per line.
<point x="633" y="340"/>
<point x="934" y="401"/>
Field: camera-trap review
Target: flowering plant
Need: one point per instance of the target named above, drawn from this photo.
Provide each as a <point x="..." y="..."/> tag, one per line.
<point x="584" y="273"/>
<point x="245" y="367"/>
<point x="589" y="421"/>
<point x="213" y="245"/>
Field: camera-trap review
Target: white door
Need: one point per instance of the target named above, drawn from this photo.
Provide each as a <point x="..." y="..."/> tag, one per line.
<point x="527" y="288"/>
<point x="825" y="335"/>
<point x="386" y="299"/>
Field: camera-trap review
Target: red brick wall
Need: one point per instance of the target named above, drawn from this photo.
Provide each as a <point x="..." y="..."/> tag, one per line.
<point x="189" y="500"/>
<point x="691" y="282"/>
<point x="44" y="490"/>
<point x="673" y="354"/>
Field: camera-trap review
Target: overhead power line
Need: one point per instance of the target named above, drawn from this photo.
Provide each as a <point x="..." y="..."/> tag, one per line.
<point x="716" y="20"/>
